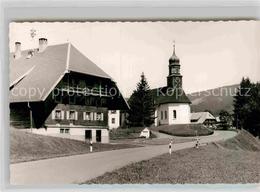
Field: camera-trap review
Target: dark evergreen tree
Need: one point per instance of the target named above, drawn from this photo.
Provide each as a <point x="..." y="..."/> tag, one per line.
<point x="141" y="105"/>
<point x="252" y="123"/>
<point x="247" y="107"/>
<point x="241" y="102"/>
<point x="225" y="119"/>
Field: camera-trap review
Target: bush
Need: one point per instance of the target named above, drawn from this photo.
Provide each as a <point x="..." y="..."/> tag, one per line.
<point x="126" y="133"/>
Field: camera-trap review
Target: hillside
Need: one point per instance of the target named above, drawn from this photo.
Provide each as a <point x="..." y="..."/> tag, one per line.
<point x="25" y="146"/>
<point x="235" y="160"/>
<point x="213" y="100"/>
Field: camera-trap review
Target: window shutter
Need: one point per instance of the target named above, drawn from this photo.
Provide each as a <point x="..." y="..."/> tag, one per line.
<point x="62" y="115"/>
<point x="67" y="115"/>
<point x="95" y="116"/>
<point x="76" y="115"/>
<point x="53" y="114"/>
<point x="102" y="116"/>
<point x="91" y="116"/>
<point x="84" y="115"/>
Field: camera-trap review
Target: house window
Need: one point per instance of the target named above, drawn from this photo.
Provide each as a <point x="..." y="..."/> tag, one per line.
<point x="174" y="114"/>
<point x="87" y="116"/>
<point x="165" y="114"/>
<point x="113" y="120"/>
<point x="161" y="114"/>
<point x="67" y="131"/>
<point x="113" y="112"/>
<point x="57" y="114"/>
<point x="99" y="116"/>
<point x="71" y="115"/>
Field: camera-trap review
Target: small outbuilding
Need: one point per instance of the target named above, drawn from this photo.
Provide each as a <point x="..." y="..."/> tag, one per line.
<point x="145" y="133"/>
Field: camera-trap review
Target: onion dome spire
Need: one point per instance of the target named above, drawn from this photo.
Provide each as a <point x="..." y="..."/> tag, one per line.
<point x="174" y="58"/>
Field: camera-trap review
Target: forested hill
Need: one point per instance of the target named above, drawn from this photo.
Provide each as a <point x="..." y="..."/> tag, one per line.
<point x="214" y="100"/>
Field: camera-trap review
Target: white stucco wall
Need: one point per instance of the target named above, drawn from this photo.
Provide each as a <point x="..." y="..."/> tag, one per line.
<point x="116" y="116"/>
<point x="182" y="114"/>
<point x="74" y="133"/>
<point x="162" y="121"/>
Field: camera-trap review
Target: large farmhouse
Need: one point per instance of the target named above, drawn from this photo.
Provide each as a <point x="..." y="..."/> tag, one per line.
<point x="205" y="118"/>
<point x="56" y="90"/>
<point x="172" y="106"/>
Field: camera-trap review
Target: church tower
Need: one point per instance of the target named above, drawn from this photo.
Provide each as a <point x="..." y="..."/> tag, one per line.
<point x="174" y="79"/>
<point x="172" y="106"/>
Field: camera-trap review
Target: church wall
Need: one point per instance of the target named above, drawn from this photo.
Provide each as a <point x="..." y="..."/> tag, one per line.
<point x="182" y="114"/>
<point x="160" y="114"/>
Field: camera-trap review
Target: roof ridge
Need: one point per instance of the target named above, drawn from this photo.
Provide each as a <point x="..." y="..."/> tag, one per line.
<point x="68" y="58"/>
<point x="29" y="49"/>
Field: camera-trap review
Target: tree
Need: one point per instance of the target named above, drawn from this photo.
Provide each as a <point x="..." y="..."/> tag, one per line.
<point x="225" y="119"/>
<point x="241" y="103"/>
<point x="252" y="123"/>
<point x="247" y="107"/>
<point x="141" y="105"/>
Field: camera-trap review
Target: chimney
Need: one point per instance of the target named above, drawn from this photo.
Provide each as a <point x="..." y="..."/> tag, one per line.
<point x="43" y="43"/>
<point x="17" y="53"/>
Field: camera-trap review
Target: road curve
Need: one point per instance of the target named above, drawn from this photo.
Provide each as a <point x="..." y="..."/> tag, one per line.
<point x="80" y="168"/>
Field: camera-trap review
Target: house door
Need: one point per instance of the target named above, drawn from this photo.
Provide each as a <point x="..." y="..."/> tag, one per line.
<point x="88" y="135"/>
<point x="98" y="135"/>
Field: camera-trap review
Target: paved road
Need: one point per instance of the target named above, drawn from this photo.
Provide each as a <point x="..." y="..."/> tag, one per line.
<point x="79" y="168"/>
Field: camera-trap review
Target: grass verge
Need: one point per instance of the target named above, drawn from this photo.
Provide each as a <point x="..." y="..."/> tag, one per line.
<point x="28" y="147"/>
<point x="233" y="161"/>
<point x="185" y="130"/>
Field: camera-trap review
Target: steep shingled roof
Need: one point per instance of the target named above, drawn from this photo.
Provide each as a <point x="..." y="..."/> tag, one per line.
<point x="45" y="69"/>
<point x="200" y="117"/>
<point x="161" y="96"/>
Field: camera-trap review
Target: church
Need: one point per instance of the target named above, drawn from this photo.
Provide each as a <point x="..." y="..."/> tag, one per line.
<point x="172" y="106"/>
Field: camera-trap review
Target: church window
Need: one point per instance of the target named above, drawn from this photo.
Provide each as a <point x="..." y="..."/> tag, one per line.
<point x="113" y="120"/>
<point x="165" y="114"/>
<point x="174" y="114"/>
<point x="161" y="114"/>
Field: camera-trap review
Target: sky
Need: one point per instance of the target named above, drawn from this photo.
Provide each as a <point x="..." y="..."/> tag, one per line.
<point x="212" y="54"/>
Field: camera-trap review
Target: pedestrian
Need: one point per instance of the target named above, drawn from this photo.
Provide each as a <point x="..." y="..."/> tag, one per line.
<point x="91" y="146"/>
